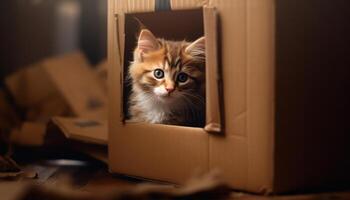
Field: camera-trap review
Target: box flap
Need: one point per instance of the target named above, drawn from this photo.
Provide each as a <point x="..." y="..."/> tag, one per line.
<point x="84" y="130"/>
<point x="76" y="81"/>
<point x="30" y="85"/>
<point x="213" y="117"/>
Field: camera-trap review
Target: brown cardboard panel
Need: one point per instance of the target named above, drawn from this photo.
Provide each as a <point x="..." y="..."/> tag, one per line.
<point x="43" y="111"/>
<point x="29" y="134"/>
<point x="63" y="85"/>
<point x="102" y="72"/>
<point x="132" y="6"/>
<point x="120" y="19"/>
<point x="114" y="59"/>
<point x="234" y="60"/>
<point x="260" y="94"/>
<point x="168" y="153"/>
<point x="84" y="94"/>
<point x="247" y="62"/>
<point x="213" y="78"/>
<point x="57" y="85"/>
<point x="30" y="85"/>
<point x="101" y="69"/>
<point x="83" y="130"/>
<point x="183" y="4"/>
<point x="229" y="156"/>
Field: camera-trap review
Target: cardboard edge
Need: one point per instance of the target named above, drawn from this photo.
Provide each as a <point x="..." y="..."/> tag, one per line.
<point x="213" y="128"/>
<point x="76" y="136"/>
<point x="260" y="115"/>
<point x="57" y="137"/>
<point x="97" y="152"/>
<point x="213" y="111"/>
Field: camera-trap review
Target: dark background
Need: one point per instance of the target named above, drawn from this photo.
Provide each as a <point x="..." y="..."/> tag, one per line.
<point x="312" y="93"/>
<point x="34" y="29"/>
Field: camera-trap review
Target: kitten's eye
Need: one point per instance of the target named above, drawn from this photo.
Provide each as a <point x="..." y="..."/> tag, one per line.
<point x="158" y="73"/>
<point x="182" y="77"/>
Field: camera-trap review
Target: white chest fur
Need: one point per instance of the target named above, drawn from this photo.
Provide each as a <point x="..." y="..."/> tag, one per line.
<point x="153" y="110"/>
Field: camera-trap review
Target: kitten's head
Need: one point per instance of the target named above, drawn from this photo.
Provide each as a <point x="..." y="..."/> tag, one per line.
<point x="168" y="70"/>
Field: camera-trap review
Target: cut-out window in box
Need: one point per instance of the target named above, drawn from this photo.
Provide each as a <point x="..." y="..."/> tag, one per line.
<point x="170" y="73"/>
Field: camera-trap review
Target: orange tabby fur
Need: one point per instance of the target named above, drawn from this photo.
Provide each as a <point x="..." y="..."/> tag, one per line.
<point x="178" y="96"/>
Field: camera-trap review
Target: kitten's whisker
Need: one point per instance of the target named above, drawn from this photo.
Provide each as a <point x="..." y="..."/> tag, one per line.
<point x="195" y="97"/>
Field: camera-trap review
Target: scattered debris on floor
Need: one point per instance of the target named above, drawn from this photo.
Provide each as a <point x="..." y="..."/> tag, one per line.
<point x="204" y="187"/>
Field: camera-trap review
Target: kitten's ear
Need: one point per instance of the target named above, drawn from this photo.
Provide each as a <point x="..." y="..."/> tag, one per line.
<point x="147" y="41"/>
<point x="197" y="49"/>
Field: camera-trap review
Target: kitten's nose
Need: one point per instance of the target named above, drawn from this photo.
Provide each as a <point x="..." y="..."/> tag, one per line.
<point x="169" y="89"/>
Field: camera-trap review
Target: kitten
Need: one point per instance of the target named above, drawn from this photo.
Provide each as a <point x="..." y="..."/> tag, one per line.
<point x="168" y="81"/>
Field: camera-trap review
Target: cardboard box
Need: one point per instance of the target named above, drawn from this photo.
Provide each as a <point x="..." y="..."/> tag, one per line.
<point x="264" y="126"/>
<point x="64" y="85"/>
<point x="67" y="78"/>
<point x="80" y="129"/>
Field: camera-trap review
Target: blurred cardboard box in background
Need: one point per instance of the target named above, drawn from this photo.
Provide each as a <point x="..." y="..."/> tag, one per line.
<point x="65" y="85"/>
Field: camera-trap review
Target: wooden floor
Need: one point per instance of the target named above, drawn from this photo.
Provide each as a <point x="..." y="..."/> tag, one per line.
<point x="88" y="175"/>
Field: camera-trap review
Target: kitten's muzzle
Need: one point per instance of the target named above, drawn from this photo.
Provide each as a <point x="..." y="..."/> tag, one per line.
<point x="169" y="89"/>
